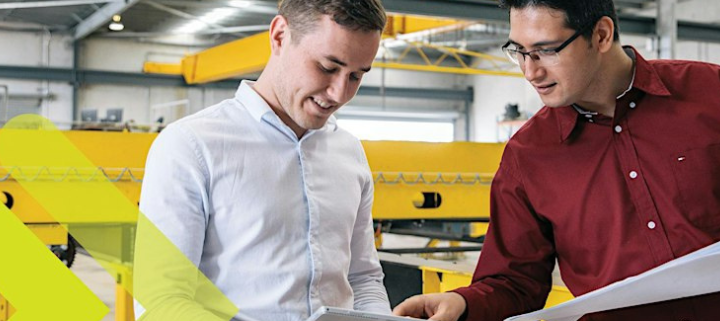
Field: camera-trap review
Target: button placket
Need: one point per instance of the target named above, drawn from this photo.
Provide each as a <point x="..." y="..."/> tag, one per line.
<point x="639" y="192"/>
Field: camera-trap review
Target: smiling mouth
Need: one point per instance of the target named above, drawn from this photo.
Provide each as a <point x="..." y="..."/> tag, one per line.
<point x="322" y="104"/>
<point x="546" y="87"/>
<point x="322" y="107"/>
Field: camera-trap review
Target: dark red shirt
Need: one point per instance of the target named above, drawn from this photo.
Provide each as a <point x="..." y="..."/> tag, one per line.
<point x="607" y="197"/>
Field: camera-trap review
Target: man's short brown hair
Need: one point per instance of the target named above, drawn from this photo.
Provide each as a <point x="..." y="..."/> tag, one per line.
<point x="357" y="15"/>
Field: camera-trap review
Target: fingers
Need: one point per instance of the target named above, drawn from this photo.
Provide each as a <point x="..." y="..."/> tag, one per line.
<point x="442" y="315"/>
<point x="449" y="308"/>
<point x="411" y="307"/>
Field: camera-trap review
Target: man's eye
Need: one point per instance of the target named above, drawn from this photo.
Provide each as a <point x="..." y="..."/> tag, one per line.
<point x="546" y="52"/>
<point x="354" y="77"/>
<point x="327" y="70"/>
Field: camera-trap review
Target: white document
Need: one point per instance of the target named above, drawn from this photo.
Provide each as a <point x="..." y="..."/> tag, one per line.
<point x="694" y="274"/>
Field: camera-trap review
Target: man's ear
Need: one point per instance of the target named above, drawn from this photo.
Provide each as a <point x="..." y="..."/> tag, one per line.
<point x="604" y="34"/>
<point x="279" y="34"/>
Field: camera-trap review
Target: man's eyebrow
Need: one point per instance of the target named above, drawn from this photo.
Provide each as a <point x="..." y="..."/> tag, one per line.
<point x="335" y="60"/>
<point x="537" y="44"/>
<point x="344" y="64"/>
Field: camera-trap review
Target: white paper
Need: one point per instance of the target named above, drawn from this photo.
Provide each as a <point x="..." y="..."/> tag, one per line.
<point x="694" y="274"/>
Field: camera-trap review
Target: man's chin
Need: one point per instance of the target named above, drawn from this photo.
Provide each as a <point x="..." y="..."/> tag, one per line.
<point x="312" y="125"/>
<point x="555" y="103"/>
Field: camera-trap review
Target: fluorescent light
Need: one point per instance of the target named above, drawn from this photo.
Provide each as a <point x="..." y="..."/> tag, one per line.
<point x="217" y="15"/>
<point x="202" y="22"/>
<point x="240" y="3"/>
<point x="192" y="27"/>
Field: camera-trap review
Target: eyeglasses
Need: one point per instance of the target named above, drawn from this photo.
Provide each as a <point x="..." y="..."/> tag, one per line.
<point x="542" y="57"/>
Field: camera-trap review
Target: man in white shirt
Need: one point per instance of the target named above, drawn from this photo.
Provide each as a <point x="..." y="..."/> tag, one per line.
<point x="263" y="192"/>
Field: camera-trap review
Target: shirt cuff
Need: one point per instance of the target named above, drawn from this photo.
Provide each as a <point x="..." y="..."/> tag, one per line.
<point x="464" y="292"/>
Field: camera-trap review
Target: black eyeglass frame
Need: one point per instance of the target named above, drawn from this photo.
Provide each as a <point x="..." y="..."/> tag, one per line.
<point x="556" y="49"/>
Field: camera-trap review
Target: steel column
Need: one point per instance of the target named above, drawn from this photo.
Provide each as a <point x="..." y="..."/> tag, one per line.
<point x="667" y="28"/>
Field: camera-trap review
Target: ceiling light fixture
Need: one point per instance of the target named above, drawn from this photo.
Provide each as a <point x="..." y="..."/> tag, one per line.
<point x="116" y="25"/>
<point x="240" y="3"/>
<point x="208" y="19"/>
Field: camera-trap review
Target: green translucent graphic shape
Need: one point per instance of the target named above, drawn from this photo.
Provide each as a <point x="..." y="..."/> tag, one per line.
<point x="40" y="287"/>
<point x="102" y="220"/>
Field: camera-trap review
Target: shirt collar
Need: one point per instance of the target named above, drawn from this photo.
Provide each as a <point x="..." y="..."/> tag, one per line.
<point x="567" y="120"/>
<point x="259" y="108"/>
<point x="251" y="100"/>
<point x="645" y="79"/>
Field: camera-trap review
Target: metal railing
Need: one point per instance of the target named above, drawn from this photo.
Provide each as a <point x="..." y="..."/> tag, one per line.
<point x="70" y="174"/>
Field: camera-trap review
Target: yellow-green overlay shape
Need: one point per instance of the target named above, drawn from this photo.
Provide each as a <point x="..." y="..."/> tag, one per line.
<point x="166" y="283"/>
<point x="38" y="284"/>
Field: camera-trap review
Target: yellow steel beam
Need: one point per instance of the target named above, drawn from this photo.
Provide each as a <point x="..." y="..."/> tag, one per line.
<point x="124" y="310"/>
<point x="440" y="164"/>
<point x="455" y="53"/>
<point x="436" y="280"/>
<point x="558" y="294"/>
<point x="6" y="310"/>
<point x="250" y="54"/>
<point x="162" y="68"/>
<point x="443" y="69"/>
<point x="460" y="172"/>
<point x="405" y="24"/>
<point x="460" y="51"/>
<point x="175" y="69"/>
<point x="128" y="151"/>
<point x="50" y="234"/>
<point x="235" y="58"/>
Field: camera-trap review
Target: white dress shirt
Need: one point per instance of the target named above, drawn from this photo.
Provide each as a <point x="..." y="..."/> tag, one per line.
<point x="280" y="225"/>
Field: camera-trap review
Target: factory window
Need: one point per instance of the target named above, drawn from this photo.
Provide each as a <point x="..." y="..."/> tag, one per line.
<point x="424" y="131"/>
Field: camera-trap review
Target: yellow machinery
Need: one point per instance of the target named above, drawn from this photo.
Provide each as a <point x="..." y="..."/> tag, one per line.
<point x="433" y="190"/>
<point x="413" y="275"/>
<point x="250" y="54"/>
<point x="428" y="189"/>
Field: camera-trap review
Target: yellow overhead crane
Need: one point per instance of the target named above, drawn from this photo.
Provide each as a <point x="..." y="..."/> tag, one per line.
<point x="414" y="182"/>
<point x="250" y="54"/>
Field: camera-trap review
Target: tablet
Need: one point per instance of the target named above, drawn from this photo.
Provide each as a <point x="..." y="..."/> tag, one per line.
<point x="338" y="314"/>
<point x="239" y="316"/>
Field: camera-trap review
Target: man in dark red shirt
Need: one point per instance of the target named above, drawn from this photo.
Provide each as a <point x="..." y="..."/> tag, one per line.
<point x="619" y="173"/>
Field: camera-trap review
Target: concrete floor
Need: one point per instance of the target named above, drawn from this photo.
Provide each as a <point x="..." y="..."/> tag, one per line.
<point x="98" y="280"/>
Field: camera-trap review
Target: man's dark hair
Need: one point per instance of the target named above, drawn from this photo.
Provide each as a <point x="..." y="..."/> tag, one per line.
<point x="362" y="15"/>
<point x="578" y="13"/>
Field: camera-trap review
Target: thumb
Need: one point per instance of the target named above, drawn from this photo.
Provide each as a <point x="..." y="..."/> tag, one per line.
<point x="412" y="307"/>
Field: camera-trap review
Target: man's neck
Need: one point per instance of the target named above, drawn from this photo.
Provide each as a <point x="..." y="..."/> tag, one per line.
<point x="263" y="86"/>
<point x="615" y="77"/>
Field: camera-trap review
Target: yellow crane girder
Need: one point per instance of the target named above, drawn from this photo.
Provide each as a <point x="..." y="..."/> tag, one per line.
<point x="250" y="55"/>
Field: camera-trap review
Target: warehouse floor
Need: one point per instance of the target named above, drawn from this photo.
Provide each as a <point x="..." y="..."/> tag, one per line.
<point x="98" y="280"/>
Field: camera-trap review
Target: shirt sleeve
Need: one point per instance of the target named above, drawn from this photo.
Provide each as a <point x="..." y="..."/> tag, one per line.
<point x="514" y="272"/>
<point x="171" y="231"/>
<point x="366" y="275"/>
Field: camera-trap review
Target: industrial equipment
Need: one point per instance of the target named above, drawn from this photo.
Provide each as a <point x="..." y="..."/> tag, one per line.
<point x="435" y="190"/>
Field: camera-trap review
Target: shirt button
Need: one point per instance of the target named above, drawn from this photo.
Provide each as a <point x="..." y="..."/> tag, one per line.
<point x="590" y="120"/>
<point x="588" y="116"/>
<point x="633" y="174"/>
<point x="633" y="104"/>
<point x="651" y="225"/>
<point x="618" y="129"/>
